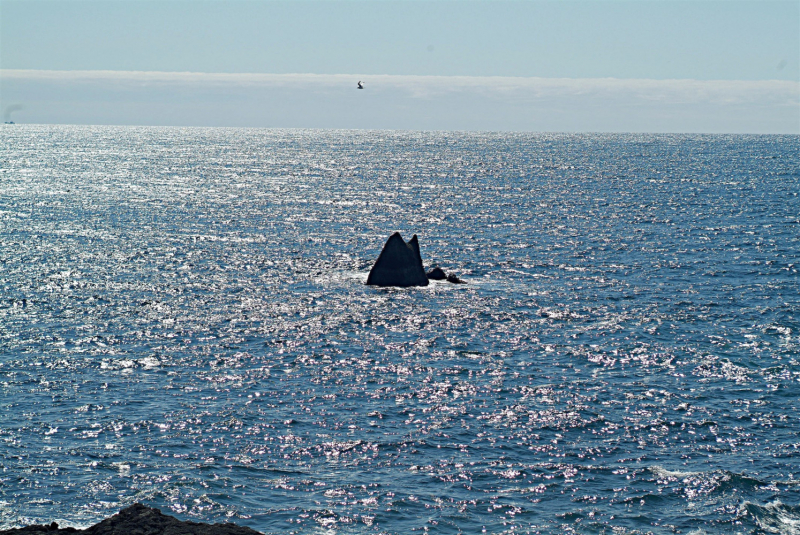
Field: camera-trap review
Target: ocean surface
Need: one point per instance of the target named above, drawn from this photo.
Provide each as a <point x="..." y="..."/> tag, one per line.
<point x="184" y="323"/>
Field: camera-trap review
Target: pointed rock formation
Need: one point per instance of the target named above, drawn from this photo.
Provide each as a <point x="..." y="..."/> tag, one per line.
<point x="399" y="264"/>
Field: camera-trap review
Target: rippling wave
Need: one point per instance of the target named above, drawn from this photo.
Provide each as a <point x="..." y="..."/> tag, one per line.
<point x="184" y="323"/>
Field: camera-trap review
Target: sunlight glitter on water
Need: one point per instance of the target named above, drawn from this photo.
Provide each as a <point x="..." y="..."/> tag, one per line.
<point x="185" y="323"/>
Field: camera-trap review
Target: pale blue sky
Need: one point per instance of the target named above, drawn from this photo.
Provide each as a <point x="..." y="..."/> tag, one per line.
<point x="703" y="40"/>
<point x="695" y="41"/>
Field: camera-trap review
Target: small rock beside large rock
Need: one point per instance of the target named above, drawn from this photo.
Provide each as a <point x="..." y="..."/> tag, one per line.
<point x="438" y="274"/>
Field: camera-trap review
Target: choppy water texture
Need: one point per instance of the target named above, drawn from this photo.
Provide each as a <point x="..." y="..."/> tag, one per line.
<point x="184" y="323"/>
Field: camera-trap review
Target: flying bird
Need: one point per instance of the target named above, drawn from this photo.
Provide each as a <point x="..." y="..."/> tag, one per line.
<point x="360" y="85"/>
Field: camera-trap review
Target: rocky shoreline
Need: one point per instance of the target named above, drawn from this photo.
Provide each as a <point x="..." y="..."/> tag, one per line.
<point x="138" y="519"/>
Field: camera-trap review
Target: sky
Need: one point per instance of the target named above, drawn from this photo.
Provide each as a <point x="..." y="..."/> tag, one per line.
<point x="522" y="65"/>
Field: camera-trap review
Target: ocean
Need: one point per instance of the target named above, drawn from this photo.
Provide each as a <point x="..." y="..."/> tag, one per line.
<point x="184" y="323"/>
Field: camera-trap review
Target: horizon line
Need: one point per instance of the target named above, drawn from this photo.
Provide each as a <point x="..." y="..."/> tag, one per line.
<point x="401" y="102"/>
<point x="124" y="72"/>
<point x="421" y="130"/>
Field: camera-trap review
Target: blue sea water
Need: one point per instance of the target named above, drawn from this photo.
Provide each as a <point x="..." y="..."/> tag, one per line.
<point x="184" y="323"/>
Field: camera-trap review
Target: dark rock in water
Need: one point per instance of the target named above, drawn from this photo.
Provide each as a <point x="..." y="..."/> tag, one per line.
<point x="139" y="519"/>
<point x="437" y="274"/>
<point x="399" y="264"/>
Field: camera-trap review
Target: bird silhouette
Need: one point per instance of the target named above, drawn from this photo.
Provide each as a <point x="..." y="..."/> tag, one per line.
<point x="360" y="85"/>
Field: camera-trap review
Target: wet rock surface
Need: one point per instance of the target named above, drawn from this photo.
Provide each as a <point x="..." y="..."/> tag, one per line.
<point x="455" y="280"/>
<point x="436" y="274"/>
<point x="138" y="519"/>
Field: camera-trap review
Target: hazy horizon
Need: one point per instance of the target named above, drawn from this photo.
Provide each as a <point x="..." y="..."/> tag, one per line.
<point x="584" y="66"/>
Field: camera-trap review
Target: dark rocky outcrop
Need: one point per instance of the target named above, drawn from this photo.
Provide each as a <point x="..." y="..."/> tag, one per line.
<point x="399" y="264"/>
<point x="138" y="519"/>
<point x="436" y="274"/>
<point x="455" y="280"/>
